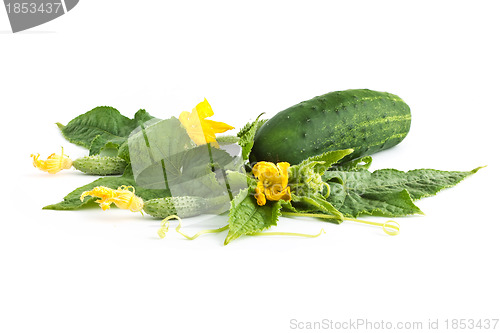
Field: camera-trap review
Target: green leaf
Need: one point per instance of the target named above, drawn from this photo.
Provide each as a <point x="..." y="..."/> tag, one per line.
<point x="163" y="156"/>
<point x="246" y="217"/>
<point x="316" y="202"/>
<point x="246" y="136"/>
<point x="240" y="180"/>
<point x="101" y="125"/>
<point x="102" y="145"/>
<point x="153" y="143"/>
<point x="305" y="177"/>
<point x="387" y="192"/>
<point x="321" y="163"/>
<point x="109" y="149"/>
<point x="72" y="200"/>
<point x="390" y="204"/>
<point x="357" y="164"/>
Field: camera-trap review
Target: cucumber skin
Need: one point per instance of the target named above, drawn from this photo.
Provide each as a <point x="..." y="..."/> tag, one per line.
<point x="365" y="120"/>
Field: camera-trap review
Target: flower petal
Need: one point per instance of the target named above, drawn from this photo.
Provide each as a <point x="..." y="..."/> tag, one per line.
<point x="204" y="109"/>
<point x="216" y="126"/>
<point x="259" y="194"/>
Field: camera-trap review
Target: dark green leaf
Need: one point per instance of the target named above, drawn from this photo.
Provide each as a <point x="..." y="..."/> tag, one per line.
<point x="105" y="122"/>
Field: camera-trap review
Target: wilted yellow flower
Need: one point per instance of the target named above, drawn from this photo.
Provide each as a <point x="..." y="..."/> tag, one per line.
<point x="122" y="197"/>
<point x="201" y="130"/>
<point x="273" y="182"/>
<point x="53" y="164"/>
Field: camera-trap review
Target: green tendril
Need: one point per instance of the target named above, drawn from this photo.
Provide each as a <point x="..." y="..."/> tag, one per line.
<point x="390" y="227"/>
<point x="327" y="190"/>
<point x="165" y="223"/>
<point x="322" y="231"/>
<point x="389" y="224"/>
<point x="207" y="231"/>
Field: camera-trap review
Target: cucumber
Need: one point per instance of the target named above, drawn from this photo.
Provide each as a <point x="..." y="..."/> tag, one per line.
<point x="365" y="120"/>
<point x="185" y="206"/>
<point x="100" y="165"/>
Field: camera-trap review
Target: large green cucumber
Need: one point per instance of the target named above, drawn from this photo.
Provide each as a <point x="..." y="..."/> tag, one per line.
<point x="365" y="120"/>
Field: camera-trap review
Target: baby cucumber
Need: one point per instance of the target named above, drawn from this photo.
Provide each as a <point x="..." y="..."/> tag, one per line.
<point x="185" y="206"/>
<point x="100" y="165"/>
<point x="365" y="120"/>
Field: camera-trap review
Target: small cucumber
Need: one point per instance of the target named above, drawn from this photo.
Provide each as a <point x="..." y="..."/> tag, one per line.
<point x="100" y="165"/>
<point x="185" y="206"/>
<point x="365" y="120"/>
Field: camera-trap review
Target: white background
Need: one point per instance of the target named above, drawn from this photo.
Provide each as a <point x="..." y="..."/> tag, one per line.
<point x="94" y="271"/>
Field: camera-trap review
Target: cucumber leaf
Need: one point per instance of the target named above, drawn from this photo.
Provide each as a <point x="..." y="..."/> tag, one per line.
<point x="387" y="192"/>
<point x="316" y="203"/>
<point x="305" y="178"/>
<point x="103" y="124"/>
<point x="72" y="200"/>
<point x="357" y="164"/>
<point x="390" y="204"/>
<point x="246" y="136"/>
<point x="320" y="163"/>
<point x="246" y="217"/>
<point x="103" y="146"/>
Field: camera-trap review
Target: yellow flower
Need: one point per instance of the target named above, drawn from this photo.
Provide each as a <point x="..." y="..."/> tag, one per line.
<point x="273" y="182"/>
<point x="201" y="130"/>
<point x="122" y="197"/>
<point x="53" y="164"/>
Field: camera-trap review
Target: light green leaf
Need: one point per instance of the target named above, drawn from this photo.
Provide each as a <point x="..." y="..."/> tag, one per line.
<point x="163" y="156"/>
<point x="105" y="122"/>
<point x="240" y="180"/>
<point x="72" y="200"/>
<point x="246" y="136"/>
<point x="246" y="217"/>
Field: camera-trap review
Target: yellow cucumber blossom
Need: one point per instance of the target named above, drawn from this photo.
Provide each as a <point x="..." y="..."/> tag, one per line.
<point x="54" y="163"/>
<point x="122" y="197"/>
<point x="201" y="130"/>
<point x="272" y="182"/>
